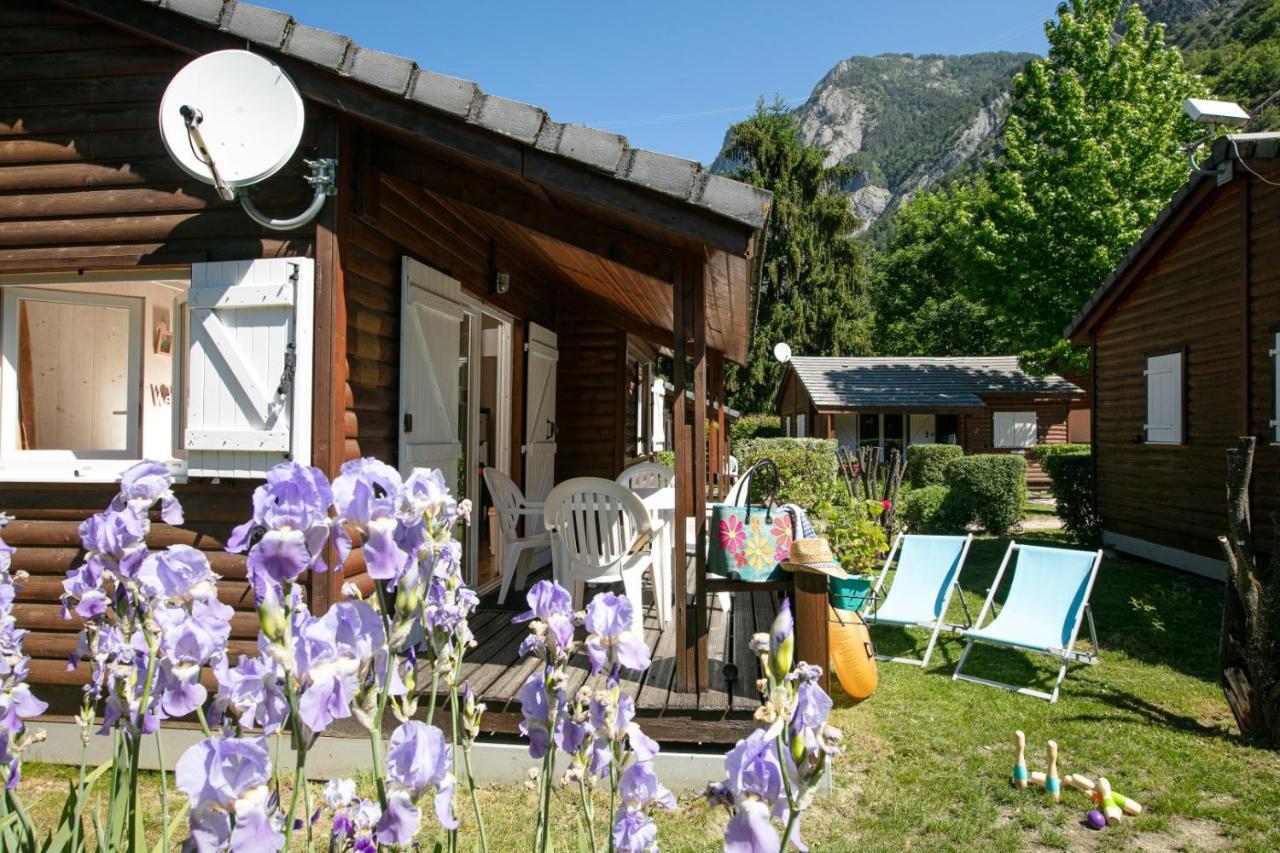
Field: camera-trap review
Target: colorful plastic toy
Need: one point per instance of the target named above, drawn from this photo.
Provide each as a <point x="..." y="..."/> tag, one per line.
<point x="1110" y="809"/>
<point x="1020" y="761"/>
<point x="1095" y="820"/>
<point x="1083" y="783"/>
<point x="1051" y="783"/>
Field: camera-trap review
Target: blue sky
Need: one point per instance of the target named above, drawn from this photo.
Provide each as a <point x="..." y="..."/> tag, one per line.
<point x="671" y="76"/>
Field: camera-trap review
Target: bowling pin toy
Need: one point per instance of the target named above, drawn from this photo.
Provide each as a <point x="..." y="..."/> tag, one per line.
<point x="1083" y="783"/>
<point x="1051" y="783"/>
<point x="1020" y="761"/>
<point x="1110" y="809"/>
<point x="1037" y="778"/>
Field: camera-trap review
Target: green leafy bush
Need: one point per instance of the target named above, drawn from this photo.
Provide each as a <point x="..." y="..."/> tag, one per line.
<point x="1041" y="452"/>
<point x="991" y="487"/>
<point x="933" y="509"/>
<point x="1071" y="482"/>
<point x="927" y="463"/>
<point x="668" y="458"/>
<point x="808" y="473"/>
<point x="856" y="537"/>
<point x="755" y="426"/>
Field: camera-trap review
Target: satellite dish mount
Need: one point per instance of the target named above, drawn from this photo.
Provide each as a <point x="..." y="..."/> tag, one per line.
<point x="233" y="119"/>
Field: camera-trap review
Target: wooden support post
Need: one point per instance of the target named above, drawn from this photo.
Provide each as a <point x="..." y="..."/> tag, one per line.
<point x="812" y="644"/>
<point x="328" y="436"/>
<point x="686" y="665"/>
<point x="699" y="451"/>
<point x="722" y="436"/>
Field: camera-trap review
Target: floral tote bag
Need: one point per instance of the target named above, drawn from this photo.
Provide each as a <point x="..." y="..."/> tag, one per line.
<point x="751" y="542"/>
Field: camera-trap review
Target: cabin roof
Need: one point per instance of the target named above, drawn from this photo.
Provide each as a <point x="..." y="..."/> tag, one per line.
<point x="893" y="382"/>
<point x="599" y="150"/>
<point x="1237" y="147"/>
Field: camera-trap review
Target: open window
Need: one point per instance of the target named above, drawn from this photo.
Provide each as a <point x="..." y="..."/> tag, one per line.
<point x="1012" y="430"/>
<point x="207" y="371"/>
<point x="1164" y="399"/>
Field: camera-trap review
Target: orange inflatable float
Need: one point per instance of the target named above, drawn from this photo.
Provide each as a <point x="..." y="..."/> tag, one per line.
<point x="853" y="657"/>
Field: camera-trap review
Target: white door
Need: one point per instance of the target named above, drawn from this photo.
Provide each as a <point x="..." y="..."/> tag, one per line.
<point x="431" y="319"/>
<point x="923" y="429"/>
<point x="540" y="417"/>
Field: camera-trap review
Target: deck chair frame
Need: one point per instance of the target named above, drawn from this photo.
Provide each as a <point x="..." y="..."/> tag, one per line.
<point x="1066" y="655"/>
<point x="938" y="624"/>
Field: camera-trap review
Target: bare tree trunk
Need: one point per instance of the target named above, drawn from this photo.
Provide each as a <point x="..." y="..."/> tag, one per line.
<point x="1250" y="652"/>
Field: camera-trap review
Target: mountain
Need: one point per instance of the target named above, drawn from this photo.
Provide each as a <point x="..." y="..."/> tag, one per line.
<point x="906" y="122"/>
<point x="1175" y="13"/>
<point x="1235" y="47"/>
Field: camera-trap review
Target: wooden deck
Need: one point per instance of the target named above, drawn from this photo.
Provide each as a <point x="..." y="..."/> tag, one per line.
<point x="720" y="714"/>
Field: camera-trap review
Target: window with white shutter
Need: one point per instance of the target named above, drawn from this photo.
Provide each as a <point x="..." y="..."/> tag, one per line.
<point x="1275" y="368"/>
<point x="249" y="366"/>
<point x="1164" y="399"/>
<point x="800" y="426"/>
<point x="1014" y="429"/>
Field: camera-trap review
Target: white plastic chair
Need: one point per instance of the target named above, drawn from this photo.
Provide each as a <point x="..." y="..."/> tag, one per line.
<point x="511" y="506"/>
<point x="603" y="535"/>
<point x="1048" y="598"/>
<point x="646" y="475"/>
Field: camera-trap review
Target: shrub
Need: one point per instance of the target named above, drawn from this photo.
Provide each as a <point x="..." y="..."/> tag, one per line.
<point x="755" y="426"/>
<point x="808" y="473"/>
<point x="1041" y="452"/>
<point x="933" y="509"/>
<point x="856" y="537"/>
<point x="927" y="463"/>
<point x="991" y="487"/>
<point x="668" y="458"/>
<point x="1071" y="482"/>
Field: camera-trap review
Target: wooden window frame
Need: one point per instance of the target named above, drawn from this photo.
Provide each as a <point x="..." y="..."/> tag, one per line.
<point x="1183" y="407"/>
<point x="1275" y="384"/>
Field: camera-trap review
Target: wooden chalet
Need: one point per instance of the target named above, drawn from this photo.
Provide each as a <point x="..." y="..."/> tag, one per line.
<point x="479" y="291"/>
<point x="985" y="404"/>
<point x="1184" y="338"/>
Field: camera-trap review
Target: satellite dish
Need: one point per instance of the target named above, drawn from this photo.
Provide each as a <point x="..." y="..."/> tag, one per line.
<point x="233" y="119"/>
<point x="782" y="352"/>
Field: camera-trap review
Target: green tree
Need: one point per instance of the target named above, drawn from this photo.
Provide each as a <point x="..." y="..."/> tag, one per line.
<point x="812" y="289"/>
<point x="920" y="307"/>
<point x="1091" y="154"/>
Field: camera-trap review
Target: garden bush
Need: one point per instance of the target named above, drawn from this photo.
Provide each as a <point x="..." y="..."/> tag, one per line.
<point x="991" y="488"/>
<point x="808" y="473"/>
<point x="927" y="463"/>
<point x="668" y="458"/>
<point x="933" y="509"/>
<point x="1071" y="482"/>
<point x="755" y="426"/>
<point x="1041" y="452"/>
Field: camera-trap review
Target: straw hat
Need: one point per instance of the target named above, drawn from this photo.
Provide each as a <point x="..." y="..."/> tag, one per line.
<point x="814" y="555"/>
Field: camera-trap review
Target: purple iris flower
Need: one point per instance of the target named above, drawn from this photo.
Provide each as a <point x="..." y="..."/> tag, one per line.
<point x="418" y="759"/>
<point x="113" y="535"/>
<point x="189" y="639"/>
<point x="535" y="707"/>
<point x="755" y="783"/>
<point x="295" y="500"/>
<point x="365" y="816"/>
<point x="614" y="721"/>
<point x="552" y="605"/>
<point x="178" y="572"/>
<point x="144" y="483"/>
<point x="633" y="830"/>
<point x="782" y="642"/>
<point x="340" y="795"/>
<point x="224" y="777"/>
<point x="366" y="495"/>
<point x="333" y="655"/>
<point x="254" y="687"/>
<point x="611" y="635"/>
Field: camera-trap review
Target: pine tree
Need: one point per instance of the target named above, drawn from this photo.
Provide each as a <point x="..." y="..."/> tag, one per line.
<point x="812" y="288"/>
<point x="1091" y="154"/>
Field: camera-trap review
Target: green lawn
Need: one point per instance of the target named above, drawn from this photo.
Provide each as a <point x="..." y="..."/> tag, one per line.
<point x="928" y="759"/>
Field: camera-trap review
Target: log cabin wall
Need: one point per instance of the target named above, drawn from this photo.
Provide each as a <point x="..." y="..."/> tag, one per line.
<point x="590" y="398"/>
<point x="1262" y="319"/>
<point x="86" y="184"/>
<point x="1189" y="297"/>
<point x="1051" y="428"/>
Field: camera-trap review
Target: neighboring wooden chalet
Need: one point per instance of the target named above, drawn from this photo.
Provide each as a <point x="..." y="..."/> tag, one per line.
<point x="474" y="293"/>
<point x="1185" y="344"/>
<point x="984" y="404"/>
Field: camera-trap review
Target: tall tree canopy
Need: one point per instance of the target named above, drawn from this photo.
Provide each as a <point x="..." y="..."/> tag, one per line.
<point x="920" y="307"/>
<point x="812" y="289"/>
<point x="1091" y="154"/>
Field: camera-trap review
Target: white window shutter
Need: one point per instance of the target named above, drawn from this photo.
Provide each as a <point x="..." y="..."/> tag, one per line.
<point x="431" y="323"/>
<point x="1013" y="429"/>
<point x="1164" y="399"/>
<point x="250" y="362"/>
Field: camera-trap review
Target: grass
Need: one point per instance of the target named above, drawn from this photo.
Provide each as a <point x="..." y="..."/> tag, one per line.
<point x="928" y="759"/>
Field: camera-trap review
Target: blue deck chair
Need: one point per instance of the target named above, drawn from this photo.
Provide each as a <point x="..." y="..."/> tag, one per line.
<point x="1047" y="599"/>
<point x="928" y="569"/>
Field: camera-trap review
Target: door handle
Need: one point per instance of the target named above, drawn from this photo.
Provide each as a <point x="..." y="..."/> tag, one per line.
<point x="408" y="422"/>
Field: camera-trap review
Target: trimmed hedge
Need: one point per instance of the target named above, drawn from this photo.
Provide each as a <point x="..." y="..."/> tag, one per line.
<point x="991" y="488"/>
<point x="755" y="426"/>
<point x="927" y="463"/>
<point x="807" y="469"/>
<point x="932" y="509"/>
<point x="1041" y="452"/>
<point x="1071" y="482"/>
